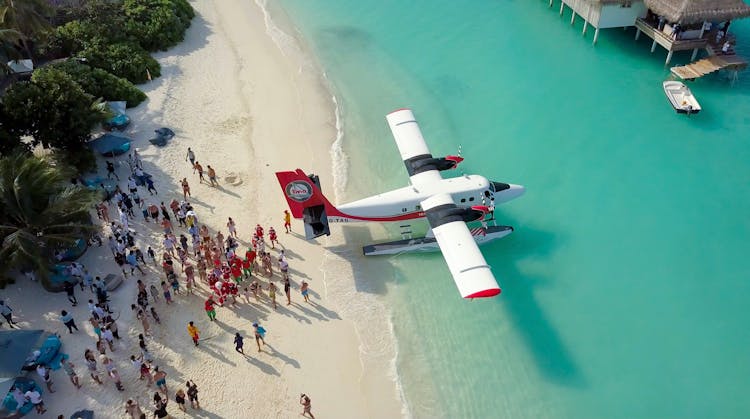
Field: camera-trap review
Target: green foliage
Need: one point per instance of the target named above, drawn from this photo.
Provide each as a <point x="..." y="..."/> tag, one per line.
<point x="53" y="109"/>
<point x="157" y="24"/>
<point x="126" y="60"/>
<point x="28" y="18"/>
<point x="99" y="83"/>
<point x="10" y="134"/>
<point x="39" y="212"/>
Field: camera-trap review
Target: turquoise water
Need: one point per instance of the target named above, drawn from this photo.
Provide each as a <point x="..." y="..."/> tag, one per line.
<point x="624" y="284"/>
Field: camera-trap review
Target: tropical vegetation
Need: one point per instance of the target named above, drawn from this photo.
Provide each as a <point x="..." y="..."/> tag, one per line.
<point x="99" y="83"/>
<point x="54" y="110"/>
<point x="40" y="212"/>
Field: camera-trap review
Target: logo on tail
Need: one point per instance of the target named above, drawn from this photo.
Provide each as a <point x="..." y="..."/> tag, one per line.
<point x="298" y="190"/>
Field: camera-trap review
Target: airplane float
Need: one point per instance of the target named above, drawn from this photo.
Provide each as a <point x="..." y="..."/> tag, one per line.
<point x="448" y="204"/>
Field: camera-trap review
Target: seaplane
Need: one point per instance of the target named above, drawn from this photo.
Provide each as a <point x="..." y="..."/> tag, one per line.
<point x="447" y="204"/>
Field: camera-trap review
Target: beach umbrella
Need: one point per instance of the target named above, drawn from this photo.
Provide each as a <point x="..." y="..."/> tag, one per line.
<point x="110" y="144"/>
<point x="83" y="414"/>
<point x="15" y="345"/>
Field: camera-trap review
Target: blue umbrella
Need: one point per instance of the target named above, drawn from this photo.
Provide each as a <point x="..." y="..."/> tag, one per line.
<point x="111" y="144"/>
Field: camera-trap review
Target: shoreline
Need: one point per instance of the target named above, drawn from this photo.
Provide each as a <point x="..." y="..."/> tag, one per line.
<point x="248" y="108"/>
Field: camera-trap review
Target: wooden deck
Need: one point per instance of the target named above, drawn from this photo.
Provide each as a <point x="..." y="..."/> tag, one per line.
<point x="667" y="41"/>
<point x="708" y="65"/>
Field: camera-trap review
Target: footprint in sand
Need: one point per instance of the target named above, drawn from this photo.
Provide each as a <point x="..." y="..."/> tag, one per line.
<point x="233" y="179"/>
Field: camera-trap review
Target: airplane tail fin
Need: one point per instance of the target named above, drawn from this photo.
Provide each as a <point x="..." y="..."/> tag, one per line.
<point x="306" y="201"/>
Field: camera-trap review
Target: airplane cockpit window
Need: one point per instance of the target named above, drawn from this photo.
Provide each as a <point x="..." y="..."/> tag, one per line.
<point x="463" y="199"/>
<point x="487" y="194"/>
<point x="471" y="199"/>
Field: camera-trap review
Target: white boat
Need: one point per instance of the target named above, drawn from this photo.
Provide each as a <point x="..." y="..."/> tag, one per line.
<point x="681" y="97"/>
<point x="481" y="235"/>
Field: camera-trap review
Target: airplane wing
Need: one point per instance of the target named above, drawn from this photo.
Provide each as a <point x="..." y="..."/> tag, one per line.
<point x="412" y="147"/>
<point x="465" y="261"/>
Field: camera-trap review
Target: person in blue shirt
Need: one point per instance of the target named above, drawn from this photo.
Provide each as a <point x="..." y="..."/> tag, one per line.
<point x="68" y="321"/>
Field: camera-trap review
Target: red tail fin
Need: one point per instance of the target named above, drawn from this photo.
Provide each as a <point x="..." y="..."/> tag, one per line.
<point x="301" y="192"/>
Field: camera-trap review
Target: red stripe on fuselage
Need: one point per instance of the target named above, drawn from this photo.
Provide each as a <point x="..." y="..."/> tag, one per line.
<point x="337" y="216"/>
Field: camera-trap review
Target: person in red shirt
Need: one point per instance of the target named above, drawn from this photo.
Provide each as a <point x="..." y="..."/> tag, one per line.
<point x="272" y="236"/>
<point x="259" y="231"/>
<point x="246" y="267"/>
<point x="209" y="306"/>
<point x="237" y="272"/>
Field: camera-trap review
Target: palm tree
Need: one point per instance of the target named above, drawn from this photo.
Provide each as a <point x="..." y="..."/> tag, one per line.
<point x="39" y="212"/>
<point x="29" y="18"/>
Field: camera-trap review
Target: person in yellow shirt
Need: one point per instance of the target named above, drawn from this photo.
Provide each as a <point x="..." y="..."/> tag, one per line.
<point x="193" y="331"/>
<point x="287" y="221"/>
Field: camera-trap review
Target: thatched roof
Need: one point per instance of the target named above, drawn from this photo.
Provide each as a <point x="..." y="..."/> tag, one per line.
<point x="696" y="11"/>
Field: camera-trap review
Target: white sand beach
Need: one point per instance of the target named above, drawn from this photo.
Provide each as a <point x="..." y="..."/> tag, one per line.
<point x="248" y="107"/>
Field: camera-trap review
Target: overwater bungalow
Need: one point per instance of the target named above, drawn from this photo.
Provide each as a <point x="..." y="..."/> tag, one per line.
<point x="675" y="25"/>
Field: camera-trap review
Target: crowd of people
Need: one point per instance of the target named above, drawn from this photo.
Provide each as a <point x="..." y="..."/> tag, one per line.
<point x="190" y="255"/>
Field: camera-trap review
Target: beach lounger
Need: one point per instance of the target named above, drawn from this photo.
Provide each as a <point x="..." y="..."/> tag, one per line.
<point x="112" y="281"/>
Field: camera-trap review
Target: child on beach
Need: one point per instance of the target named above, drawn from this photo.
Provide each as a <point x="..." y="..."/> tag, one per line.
<point x="272" y="237"/>
<point x="167" y="294"/>
<point x="155" y="316"/>
<point x="260" y="333"/>
<point x="232" y="227"/>
<point x="238" y="343"/>
<point x="91" y="365"/>
<point x="69" y="369"/>
<point x="179" y="398"/>
<point x="193" y="332"/>
<point x="272" y="293"/>
<point x="304" y="290"/>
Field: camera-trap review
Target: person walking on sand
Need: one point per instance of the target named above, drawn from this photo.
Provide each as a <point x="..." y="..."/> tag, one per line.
<point x="160" y="377"/>
<point x="185" y="188"/>
<point x="35" y="398"/>
<point x="212" y="176"/>
<point x="90" y="359"/>
<point x="287" y="221"/>
<point x="260" y="334"/>
<point x="133" y="409"/>
<point x="150" y="186"/>
<point x="7" y="313"/>
<point x="272" y="237"/>
<point x="68" y="321"/>
<point x="232" y="228"/>
<point x="288" y="291"/>
<point x="239" y="343"/>
<point x="179" y="398"/>
<point x="144" y="321"/>
<point x="193" y="332"/>
<point x="272" y="293"/>
<point x="304" y="400"/>
<point x="70" y="290"/>
<point x="69" y="369"/>
<point x="192" y="393"/>
<point x="304" y="289"/>
<point x="190" y="156"/>
<point x="210" y="310"/>
<point x="197" y="167"/>
<point x="43" y="372"/>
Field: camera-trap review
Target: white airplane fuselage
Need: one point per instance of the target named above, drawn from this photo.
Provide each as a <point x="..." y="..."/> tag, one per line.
<point x="405" y="203"/>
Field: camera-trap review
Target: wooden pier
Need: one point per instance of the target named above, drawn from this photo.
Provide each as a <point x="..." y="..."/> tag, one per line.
<point x="708" y="65"/>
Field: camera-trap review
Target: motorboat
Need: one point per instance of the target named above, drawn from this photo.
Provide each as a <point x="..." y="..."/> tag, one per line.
<point x="681" y="97"/>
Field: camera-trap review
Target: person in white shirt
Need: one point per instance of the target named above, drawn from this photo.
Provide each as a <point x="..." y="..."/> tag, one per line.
<point x="36" y="399"/>
<point x="44" y="373"/>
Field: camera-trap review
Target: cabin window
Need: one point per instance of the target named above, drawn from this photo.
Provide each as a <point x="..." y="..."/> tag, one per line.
<point x="471" y="199"/>
<point x="418" y="208"/>
<point x="463" y="199"/>
<point x="403" y="209"/>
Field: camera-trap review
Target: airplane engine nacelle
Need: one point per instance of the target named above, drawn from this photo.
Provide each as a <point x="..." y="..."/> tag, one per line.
<point x="426" y="162"/>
